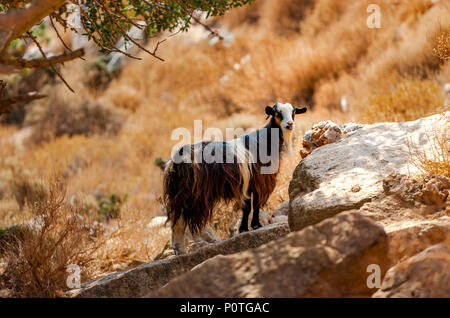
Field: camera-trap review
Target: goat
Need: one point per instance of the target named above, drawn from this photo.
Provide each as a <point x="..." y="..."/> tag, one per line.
<point x="192" y="189"/>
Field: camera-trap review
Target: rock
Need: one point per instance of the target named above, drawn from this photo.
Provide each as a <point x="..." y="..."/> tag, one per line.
<point x="435" y="190"/>
<point x="325" y="260"/>
<point x="158" y="222"/>
<point x="432" y="191"/>
<point x="280" y="219"/>
<point x="345" y="175"/>
<point x="282" y="209"/>
<point x="307" y="141"/>
<point x="325" y="132"/>
<point x="165" y="253"/>
<point x="409" y="238"/>
<point x="5" y="293"/>
<point x="349" y="127"/>
<point x="148" y="277"/>
<point x="304" y="153"/>
<point x="411" y="220"/>
<point x="404" y="198"/>
<point x="424" y="275"/>
<point x="264" y="218"/>
<point x="208" y="235"/>
<point x="162" y="228"/>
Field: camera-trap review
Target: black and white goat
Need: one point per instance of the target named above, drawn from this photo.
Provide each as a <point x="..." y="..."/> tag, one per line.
<point x="193" y="188"/>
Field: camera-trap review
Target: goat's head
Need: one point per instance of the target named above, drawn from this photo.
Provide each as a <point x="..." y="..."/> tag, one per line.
<point x="283" y="115"/>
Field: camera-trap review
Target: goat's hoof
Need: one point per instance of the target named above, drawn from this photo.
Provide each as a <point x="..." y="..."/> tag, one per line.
<point x="178" y="249"/>
<point x="256" y="226"/>
<point x="243" y="229"/>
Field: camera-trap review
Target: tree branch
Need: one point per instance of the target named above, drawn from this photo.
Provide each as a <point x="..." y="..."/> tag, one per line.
<point x="191" y="15"/>
<point x="5" y="103"/>
<point x="44" y="62"/>
<point x="19" y="21"/>
<point x="45" y="57"/>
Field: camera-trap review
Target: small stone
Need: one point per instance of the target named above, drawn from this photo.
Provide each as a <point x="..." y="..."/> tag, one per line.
<point x="356" y="188"/>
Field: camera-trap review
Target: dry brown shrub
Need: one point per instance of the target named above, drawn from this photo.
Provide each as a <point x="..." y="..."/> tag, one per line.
<point x="442" y="50"/>
<point x="38" y="255"/>
<point x="125" y="96"/>
<point x="436" y="160"/>
<point x="65" y="114"/>
<point x="27" y="189"/>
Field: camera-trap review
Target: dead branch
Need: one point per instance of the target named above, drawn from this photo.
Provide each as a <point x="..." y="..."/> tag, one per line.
<point x="5" y="103"/>
<point x="51" y="65"/>
<point x="59" y="36"/>
<point x="44" y="62"/>
<point x="19" y="21"/>
<point x="207" y="27"/>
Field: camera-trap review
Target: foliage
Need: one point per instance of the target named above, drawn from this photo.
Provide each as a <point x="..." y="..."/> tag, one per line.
<point x="109" y="208"/>
<point x="105" y="21"/>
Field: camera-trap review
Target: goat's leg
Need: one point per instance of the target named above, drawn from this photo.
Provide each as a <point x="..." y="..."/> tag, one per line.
<point x="255" y="219"/>
<point x="177" y="240"/>
<point x="245" y="214"/>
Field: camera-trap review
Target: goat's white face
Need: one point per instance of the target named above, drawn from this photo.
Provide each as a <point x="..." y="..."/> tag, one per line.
<point x="284" y="117"/>
<point x="284" y="113"/>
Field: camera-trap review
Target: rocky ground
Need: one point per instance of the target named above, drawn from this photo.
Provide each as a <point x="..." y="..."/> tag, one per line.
<point x="353" y="205"/>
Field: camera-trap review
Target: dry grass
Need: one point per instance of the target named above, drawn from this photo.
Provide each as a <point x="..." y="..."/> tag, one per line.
<point x="38" y="252"/>
<point x="434" y="161"/>
<point x="442" y="49"/>
<point x="408" y="100"/>
<point x="64" y="114"/>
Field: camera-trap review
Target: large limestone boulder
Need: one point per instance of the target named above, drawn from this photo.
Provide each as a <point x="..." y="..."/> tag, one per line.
<point x="411" y="237"/>
<point x="281" y="210"/>
<point x="329" y="259"/>
<point x="414" y="214"/>
<point x="348" y="173"/>
<point x="148" y="277"/>
<point x="424" y="275"/>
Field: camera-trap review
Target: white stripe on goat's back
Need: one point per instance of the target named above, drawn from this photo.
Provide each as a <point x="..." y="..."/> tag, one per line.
<point x="244" y="159"/>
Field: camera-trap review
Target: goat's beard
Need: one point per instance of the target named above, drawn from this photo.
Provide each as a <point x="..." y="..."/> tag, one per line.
<point x="287" y="140"/>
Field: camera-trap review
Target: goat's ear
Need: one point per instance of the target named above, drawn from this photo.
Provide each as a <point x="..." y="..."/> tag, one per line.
<point x="270" y="111"/>
<point x="301" y="110"/>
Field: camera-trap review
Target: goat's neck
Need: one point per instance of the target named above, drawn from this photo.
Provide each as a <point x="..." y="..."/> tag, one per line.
<point x="273" y="125"/>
